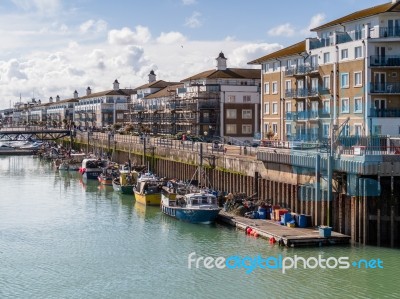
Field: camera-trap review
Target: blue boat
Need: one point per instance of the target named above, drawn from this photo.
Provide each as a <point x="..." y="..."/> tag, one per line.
<point x="200" y="207"/>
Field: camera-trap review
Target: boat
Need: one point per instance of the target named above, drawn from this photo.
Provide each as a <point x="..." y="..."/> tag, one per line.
<point x="108" y="174"/>
<point x="125" y="182"/>
<point x="197" y="207"/>
<point x="92" y="168"/>
<point x="148" y="189"/>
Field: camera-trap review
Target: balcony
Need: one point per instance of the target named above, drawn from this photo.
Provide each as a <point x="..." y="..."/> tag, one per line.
<point x="384" y="112"/>
<point x="387" y="32"/>
<point x="301" y="70"/>
<point x="302" y="115"/>
<point x="384" y="61"/>
<point x="385" y="88"/>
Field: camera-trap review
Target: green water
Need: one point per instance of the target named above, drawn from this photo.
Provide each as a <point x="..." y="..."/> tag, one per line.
<point x="62" y="238"/>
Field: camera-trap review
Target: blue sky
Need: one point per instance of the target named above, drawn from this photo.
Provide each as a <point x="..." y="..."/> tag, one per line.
<point x="53" y="47"/>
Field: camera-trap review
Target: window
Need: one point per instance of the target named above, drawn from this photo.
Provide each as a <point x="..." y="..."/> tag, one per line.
<point x="325" y="130"/>
<point x="247" y="129"/>
<point x="344" y="105"/>
<point x="247" y="114"/>
<point x="266" y="88"/>
<point x="357" y="129"/>
<point x="357" y="52"/>
<point x="288" y="64"/>
<point x="231" y="99"/>
<point x="378" y="130"/>
<point x="231" y="129"/>
<point x="231" y="113"/>
<point x="288" y="106"/>
<point x="120" y="116"/>
<point x="274" y="66"/>
<point x="274" y="87"/>
<point x="344" y="54"/>
<point x="288" y="129"/>
<point x="326" y="82"/>
<point x="358" y="105"/>
<point x="266" y="127"/>
<point x="357" y="79"/>
<point x="246" y="99"/>
<point x="344" y="80"/>
<point x="314" y="85"/>
<point x="327" y="57"/>
<point x="346" y="130"/>
<point x="266" y="68"/>
<point x="326" y="107"/>
<point x="274" y="108"/>
<point x="288" y="85"/>
<point x="266" y="108"/>
<point x="275" y="128"/>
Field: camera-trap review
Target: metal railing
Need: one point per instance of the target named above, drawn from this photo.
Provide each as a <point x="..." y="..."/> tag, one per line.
<point x="386" y="87"/>
<point x="387" y="60"/>
<point x="374" y="112"/>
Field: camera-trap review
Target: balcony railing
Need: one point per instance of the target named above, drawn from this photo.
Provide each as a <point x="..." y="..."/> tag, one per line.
<point x="301" y="70"/>
<point x="386" y="88"/>
<point x="302" y="115"/>
<point x="384" y="112"/>
<point x="388" y="60"/>
<point x="389" y="32"/>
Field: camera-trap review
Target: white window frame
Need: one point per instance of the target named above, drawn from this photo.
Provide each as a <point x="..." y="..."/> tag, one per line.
<point x="360" y="84"/>
<point x="229" y="129"/>
<point x="342" y="110"/>
<point x="274" y="87"/>
<point x="344" y="57"/>
<point x="247" y="99"/>
<point x="288" y="129"/>
<point x="326" y="133"/>
<point x="266" y="108"/>
<point x="342" y="84"/>
<point x="266" y="88"/>
<point x="361" y="105"/>
<point x="275" y="66"/>
<point x="327" y="57"/>
<point x="357" y="125"/>
<point x="247" y="114"/>
<point x="275" y="128"/>
<point x="288" y="85"/>
<point x="274" y="105"/>
<point x="326" y="82"/>
<point x="247" y="129"/>
<point x="228" y="113"/>
<point x="231" y="99"/>
<point x="326" y="104"/>
<point x="356" y="56"/>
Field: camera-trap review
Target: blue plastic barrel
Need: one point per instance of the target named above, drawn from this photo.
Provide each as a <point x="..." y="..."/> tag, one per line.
<point x="302" y="221"/>
<point x="262" y="213"/>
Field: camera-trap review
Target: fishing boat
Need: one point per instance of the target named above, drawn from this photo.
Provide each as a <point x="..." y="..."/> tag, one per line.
<point x="91" y="168"/>
<point x="109" y="173"/>
<point x="198" y="207"/>
<point x="125" y="182"/>
<point x="148" y="190"/>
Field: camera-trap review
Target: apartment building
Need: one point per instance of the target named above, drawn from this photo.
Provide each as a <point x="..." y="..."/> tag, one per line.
<point x="345" y="81"/>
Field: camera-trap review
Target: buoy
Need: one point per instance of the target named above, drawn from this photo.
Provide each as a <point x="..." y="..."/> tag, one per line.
<point x="272" y="240"/>
<point x="256" y="234"/>
<point x="248" y="230"/>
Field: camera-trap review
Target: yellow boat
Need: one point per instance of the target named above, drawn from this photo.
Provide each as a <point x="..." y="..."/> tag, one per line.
<point x="148" y="191"/>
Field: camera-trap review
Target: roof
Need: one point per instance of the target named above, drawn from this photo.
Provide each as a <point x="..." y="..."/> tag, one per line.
<point x="288" y="51"/>
<point x="388" y="7"/>
<point x="112" y="92"/>
<point x="229" y="73"/>
<point x="165" y="92"/>
<point x="156" y="84"/>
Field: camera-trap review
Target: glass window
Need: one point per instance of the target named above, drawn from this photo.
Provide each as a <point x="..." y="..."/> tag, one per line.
<point x="275" y="66"/>
<point x="357" y="52"/>
<point x="357" y="130"/>
<point x="231" y="113"/>
<point x="274" y="87"/>
<point x="266" y="108"/>
<point x="266" y="67"/>
<point x="231" y="129"/>
<point x="327" y="57"/>
<point x="345" y="53"/>
<point x="275" y="108"/>
<point x="344" y="80"/>
<point x="326" y="107"/>
<point x="288" y="129"/>
<point x="358" y="79"/>
<point x="246" y="99"/>
<point x="326" y="82"/>
<point x="288" y="64"/>
<point x="246" y="113"/>
<point x="344" y="105"/>
<point x="246" y="129"/>
<point x="275" y="128"/>
<point x="231" y="99"/>
<point x="266" y="88"/>
<point x="378" y="130"/>
<point x="325" y="130"/>
<point x="358" y="105"/>
<point x="288" y="85"/>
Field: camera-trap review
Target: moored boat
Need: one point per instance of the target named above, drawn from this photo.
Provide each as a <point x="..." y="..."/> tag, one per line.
<point x="125" y="182"/>
<point x="92" y="168"/>
<point x="148" y="190"/>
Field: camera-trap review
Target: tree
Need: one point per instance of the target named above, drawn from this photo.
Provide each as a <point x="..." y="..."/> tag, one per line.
<point x="270" y="134"/>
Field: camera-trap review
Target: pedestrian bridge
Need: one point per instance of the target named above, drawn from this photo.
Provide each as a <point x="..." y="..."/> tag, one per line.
<point x="18" y="134"/>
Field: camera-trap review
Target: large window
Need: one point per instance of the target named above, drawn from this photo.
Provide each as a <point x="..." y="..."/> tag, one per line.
<point x="266" y="88"/>
<point x="344" y="80"/>
<point x="247" y="129"/>
<point x="274" y="108"/>
<point x="357" y="79"/>
<point x="326" y="82"/>
<point x="357" y="52"/>
<point x="266" y="108"/>
<point x="344" y="54"/>
<point x="358" y="105"/>
<point x="231" y="129"/>
<point x="274" y="87"/>
<point x="247" y="114"/>
<point x="231" y="113"/>
<point x="344" y="105"/>
<point x="327" y="57"/>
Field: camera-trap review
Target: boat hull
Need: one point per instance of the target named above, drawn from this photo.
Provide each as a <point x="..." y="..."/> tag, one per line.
<point x="105" y="181"/>
<point x="124" y="189"/>
<point x="195" y="216"/>
<point x="92" y="174"/>
<point x="153" y="199"/>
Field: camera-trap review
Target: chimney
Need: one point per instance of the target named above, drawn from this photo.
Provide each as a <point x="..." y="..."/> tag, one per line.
<point x="57" y="98"/>
<point x="88" y="91"/>
<point x="152" y="77"/>
<point x="75" y="94"/>
<point x="395" y="1"/>
<point x="221" y="62"/>
<point x="116" y="84"/>
<point x="51" y="100"/>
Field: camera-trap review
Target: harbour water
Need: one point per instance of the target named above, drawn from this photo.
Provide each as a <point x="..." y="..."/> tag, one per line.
<point x="63" y="238"/>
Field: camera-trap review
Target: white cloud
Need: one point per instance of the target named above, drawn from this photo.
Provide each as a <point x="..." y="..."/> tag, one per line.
<point x="126" y="36"/>
<point x="282" y="30"/>
<point x="194" y="20"/>
<point x="171" y="37"/>
<point x="93" y="26"/>
<point x="315" y="21"/>
<point x="41" y="6"/>
<point x="189" y="2"/>
<point x="132" y="57"/>
<point x="12" y="70"/>
<point x="246" y="53"/>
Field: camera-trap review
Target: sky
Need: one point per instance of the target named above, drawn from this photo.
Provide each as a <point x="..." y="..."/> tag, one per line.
<point x="54" y="47"/>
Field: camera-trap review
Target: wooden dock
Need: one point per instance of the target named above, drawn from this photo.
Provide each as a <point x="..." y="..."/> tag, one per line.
<point x="292" y="237"/>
